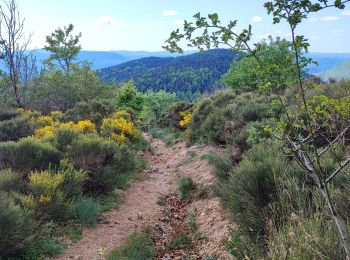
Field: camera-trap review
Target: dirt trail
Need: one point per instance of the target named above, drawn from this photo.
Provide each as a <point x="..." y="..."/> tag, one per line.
<point x="140" y="208"/>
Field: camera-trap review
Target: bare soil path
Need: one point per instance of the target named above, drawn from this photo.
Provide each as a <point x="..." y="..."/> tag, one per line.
<point x="166" y="167"/>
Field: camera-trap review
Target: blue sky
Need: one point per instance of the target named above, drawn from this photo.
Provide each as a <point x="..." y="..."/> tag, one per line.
<point x="144" y="25"/>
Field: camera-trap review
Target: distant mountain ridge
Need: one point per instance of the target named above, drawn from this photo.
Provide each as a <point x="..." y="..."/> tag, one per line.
<point x="103" y="59"/>
<point x="189" y="74"/>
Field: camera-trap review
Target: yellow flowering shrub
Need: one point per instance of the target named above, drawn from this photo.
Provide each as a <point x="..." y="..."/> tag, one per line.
<point x="56" y="114"/>
<point x="119" y="128"/>
<point x="121" y="114"/>
<point x="85" y="127"/>
<point x="28" y="201"/>
<point x="44" y="185"/>
<point x="186" y="118"/>
<point x="32" y="115"/>
<point x="44" y="132"/>
<point x="45" y="120"/>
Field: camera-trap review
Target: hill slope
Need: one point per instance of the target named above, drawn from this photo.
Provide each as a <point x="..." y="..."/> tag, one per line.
<point x="198" y="72"/>
<point x="340" y="72"/>
<point x="327" y="61"/>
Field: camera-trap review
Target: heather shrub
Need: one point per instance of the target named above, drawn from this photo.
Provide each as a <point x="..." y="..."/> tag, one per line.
<point x="251" y="191"/>
<point x="28" y="154"/>
<point x="87" y="211"/>
<point x="7" y="114"/>
<point x="222" y="118"/>
<point x="91" y="152"/>
<point x="313" y="237"/>
<point x="95" y="110"/>
<point x="117" y="173"/>
<point x="15" y="128"/>
<point x="64" y="138"/>
<point x="73" y="179"/>
<point x="11" y="181"/>
<point x="16" y="226"/>
<point x="186" y="186"/>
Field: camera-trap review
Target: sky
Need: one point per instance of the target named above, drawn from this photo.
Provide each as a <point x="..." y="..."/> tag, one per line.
<point x="145" y="24"/>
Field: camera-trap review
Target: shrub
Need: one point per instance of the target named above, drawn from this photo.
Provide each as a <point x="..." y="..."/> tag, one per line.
<point x="95" y="110"/>
<point x="28" y="154"/>
<point x="44" y="245"/>
<point x="250" y="192"/>
<point x="7" y="114"/>
<point x="119" y="128"/>
<point x="139" y="246"/>
<point x="117" y="174"/>
<point x="91" y="152"/>
<point x="174" y="117"/>
<point x="87" y="211"/>
<point x="11" y="181"/>
<point x="186" y="186"/>
<point x="221" y="117"/>
<point x="103" y="161"/>
<point x="73" y="179"/>
<point x="49" y="199"/>
<point x="63" y="139"/>
<point x="313" y="237"/>
<point x="222" y="165"/>
<point x="16" y="226"/>
<point x="15" y="128"/>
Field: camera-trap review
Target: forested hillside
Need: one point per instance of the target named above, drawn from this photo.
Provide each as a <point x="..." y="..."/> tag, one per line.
<point x="195" y="73"/>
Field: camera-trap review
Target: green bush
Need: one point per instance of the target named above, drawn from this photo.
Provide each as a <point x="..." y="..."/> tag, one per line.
<point x="15" y="128"/>
<point x="44" y="245"/>
<point x="73" y="180"/>
<point x="250" y="192"/>
<point x="222" y="117"/>
<point x="91" y="152"/>
<point x="222" y="165"/>
<point x="117" y="173"/>
<point x="7" y="114"/>
<point x="104" y="162"/>
<point x="95" y="110"/>
<point x="186" y="186"/>
<point x="139" y="246"/>
<point x="16" y="226"/>
<point x="87" y="211"/>
<point x="11" y="181"/>
<point x="28" y="154"/>
<point x="313" y="237"/>
<point x="63" y="139"/>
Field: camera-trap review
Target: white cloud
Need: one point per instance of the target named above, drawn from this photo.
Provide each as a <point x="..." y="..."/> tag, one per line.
<point x="178" y="22"/>
<point x="329" y="18"/>
<point x="337" y="31"/>
<point x="257" y="19"/>
<point x="168" y="12"/>
<point x="104" y="20"/>
<point x="163" y="22"/>
<point x="345" y="13"/>
<point x="313" y="19"/>
<point x="315" y="37"/>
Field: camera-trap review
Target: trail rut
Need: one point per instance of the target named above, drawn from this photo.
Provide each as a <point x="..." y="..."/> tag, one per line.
<point x="166" y="166"/>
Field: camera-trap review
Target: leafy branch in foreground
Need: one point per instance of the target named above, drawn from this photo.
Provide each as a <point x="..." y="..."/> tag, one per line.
<point x="314" y="126"/>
